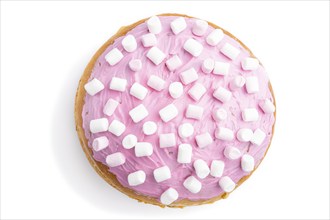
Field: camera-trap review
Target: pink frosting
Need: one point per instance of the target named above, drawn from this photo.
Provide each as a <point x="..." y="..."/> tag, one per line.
<point x="172" y="44"/>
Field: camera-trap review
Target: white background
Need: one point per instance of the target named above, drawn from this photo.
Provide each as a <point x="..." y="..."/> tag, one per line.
<point x="45" y="47"/>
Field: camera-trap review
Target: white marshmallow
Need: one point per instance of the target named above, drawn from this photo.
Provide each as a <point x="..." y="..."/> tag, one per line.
<point x="115" y="159"/>
<point x="222" y="94"/>
<point x="237" y="83"/>
<point x="149" y="40"/>
<point x="143" y="149"/>
<point x="214" y="37"/>
<point x="197" y="91"/>
<point x="117" y="128"/>
<point x="199" y="28"/>
<point x="247" y="163"/>
<point x="192" y="184"/>
<point x="98" y="125"/>
<point x="201" y="168"/>
<point x="167" y="140"/>
<point x="114" y="56"/>
<point x="129" y="141"/>
<point x="129" y="43"/>
<point x="118" y="84"/>
<point x="138" y="113"/>
<point x="208" y="65"/>
<point x="267" y="106"/>
<point x="173" y="63"/>
<point x="175" y="89"/>
<point x="224" y="134"/>
<point x="221" y="68"/>
<point x="110" y="107"/>
<point x="230" y="51"/>
<point x="154" y="25"/>
<point x="135" y="65"/>
<point x="162" y="173"/>
<point x="227" y="184"/>
<point x="217" y="167"/>
<point x="100" y="143"/>
<point x="94" y="86"/>
<point x="168" y="112"/>
<point x="138" y="91"/>
<point x="188" y="76"/>
<point x="252" y="84"/>
<point x="219" y="114"/>
<point x="244" y="134"/>
<point x="193" y="47"/>
<point x="258" y="137"/>
<point x="178" y="25"/>
<point x="185" y="130"/>
<point x="184" y="153"/>
<point x="232" y="153"/>
<point x="156" y="83"/>
<point x="149" y="128"/>
<point x="156" y="55"/>
<point x="250" y="115"/>
<point x="203" y="140"/>
<point x="169" y="196"/>
<point x="194" y="111"/>
<point x="250" y="63"/>
<point x="136" y="178"/>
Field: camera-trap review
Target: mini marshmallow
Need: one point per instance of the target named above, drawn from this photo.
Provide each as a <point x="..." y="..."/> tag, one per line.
<point x="232" y="153"/>
<point x="221" y="68"/>
<point x="149" y="128"/>
<point x="143" y="149"/>
<point x="258" y="137"/>
<point x="194" y="111"/>
<point x="94" y="86"/>
<point x="114" y="56"/>
<point x="178" y="25"/>
<point x="214" y="37"/>
<point x="244" y="134"/>
<point x="250" y="63"/>
<point x="185" y="130"/>
<point x="175" y="89"/>
<point x="162" y="173"/>
<point x="138" y="113"/>
<point x="230" y="51"/>
<point x="168" y="112"/>
<point x="169" y="196"/>
<point x="149" y="40"/>
<point x="224" y="134"/>
<point x="136" y="178"/>
<point x="156" y="55"/>
<point x="156" y="83"/>
<point x="100" y="143"/>
<point x="227" y="184"/>
<point x="117" y="128"/>
<point x="138" y="91"/>
<point x="219" y="114"/>
<point x="173" y="63"/>
<point x="129" y="141"/>
<point x="135" y="65"/>
<point x="247" y="163"/>
<point x="217" y="167"/>
<point x="252" y="84"/>
<point x="237" y="83"/>
<point x="98" y="125"/>
<point x="208" y="65"/>
<point x="154" y="25"/>
<point x="129" y="43"/>
<point x="222" y="94"/>
<point x="118" y="84"/>
<point x="188" y="76"/>
<point x="167" y="140"/>
<point x="203" y="140"/>
<point x="197" y="91"/>
<point x="192" y="184"/>
<point x="184" y="153"/>
<point x="193" y="47"/>
<point x="201" y="168"/>
<point x="250" y="114"/>
<point x="267" y="106"/>
<point x="110" y="107"/>
<point x="115" y="159"/>
<point x="199" y="28"/>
